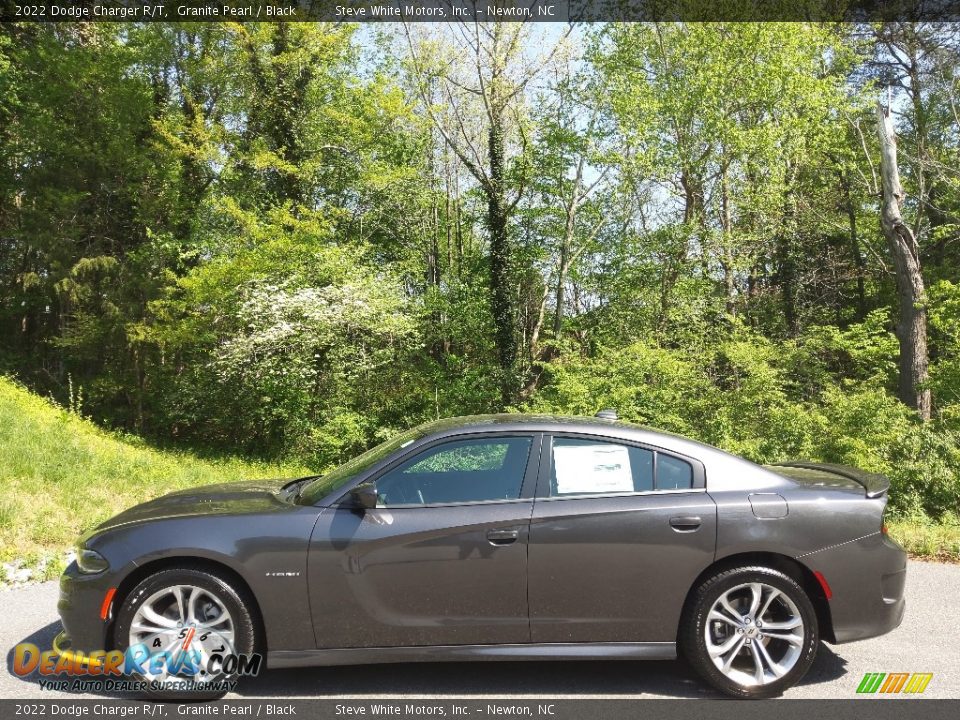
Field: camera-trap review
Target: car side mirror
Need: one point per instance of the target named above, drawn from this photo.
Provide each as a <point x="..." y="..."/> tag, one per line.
<point x="365" y="496"/>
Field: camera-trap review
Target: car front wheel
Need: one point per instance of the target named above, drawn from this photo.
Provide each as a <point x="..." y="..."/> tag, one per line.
<point x="750" y="632"/>
<point x="181" y="619"/>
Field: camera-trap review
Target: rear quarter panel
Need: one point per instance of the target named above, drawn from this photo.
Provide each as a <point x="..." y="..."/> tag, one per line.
<point x="816" y="517"/>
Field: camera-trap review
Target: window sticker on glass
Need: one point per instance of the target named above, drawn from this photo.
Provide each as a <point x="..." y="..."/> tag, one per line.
<point x="592" y="468"/>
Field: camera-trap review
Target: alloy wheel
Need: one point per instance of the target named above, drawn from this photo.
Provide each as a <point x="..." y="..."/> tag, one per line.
<point x="754" y="634"/>
<point x="186" y="622"/>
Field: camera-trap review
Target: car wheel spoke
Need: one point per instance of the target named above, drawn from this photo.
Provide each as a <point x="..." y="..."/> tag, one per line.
<point x="181" y="610"/>
<point x="732" y="654"/>
<point x="192" y="606"/>
<point x="790" y="624"/>
<point x="725" y="604"/>
<point x="775" y="668"/>
<point x="773" y="595"/>
<point x="796" y="640"/>
<point x="756" y="595"/>
<point x="759" y="674"/>
<point x="715" y="614"/>
<point x="156" y="618"/>
<point x="144" y="628"/>
<point x="724" y="648"/>
<point x="210" y="624"/>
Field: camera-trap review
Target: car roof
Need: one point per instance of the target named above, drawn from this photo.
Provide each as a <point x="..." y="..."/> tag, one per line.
<point x="514" y="422"/>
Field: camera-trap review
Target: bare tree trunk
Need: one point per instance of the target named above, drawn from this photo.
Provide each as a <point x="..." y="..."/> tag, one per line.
<point x="912" y="322"/>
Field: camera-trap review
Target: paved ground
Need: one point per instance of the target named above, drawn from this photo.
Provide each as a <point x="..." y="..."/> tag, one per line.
<point x="928" y="641"/>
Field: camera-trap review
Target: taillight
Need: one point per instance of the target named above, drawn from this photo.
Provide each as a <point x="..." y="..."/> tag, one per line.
<point x="825" y="586"/>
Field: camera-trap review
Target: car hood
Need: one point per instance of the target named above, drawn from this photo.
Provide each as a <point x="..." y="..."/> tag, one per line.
<point x="233" y="498"/>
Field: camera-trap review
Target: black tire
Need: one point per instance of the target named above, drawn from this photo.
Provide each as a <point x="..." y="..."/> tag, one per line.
<point x="694" y="628"/>
<point x="235" y="599"/>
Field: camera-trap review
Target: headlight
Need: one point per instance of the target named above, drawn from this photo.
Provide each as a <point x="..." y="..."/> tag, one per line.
<point x="90" y="561"/>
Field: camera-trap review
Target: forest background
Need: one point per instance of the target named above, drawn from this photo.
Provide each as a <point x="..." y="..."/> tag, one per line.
<point x="241" y="249"/>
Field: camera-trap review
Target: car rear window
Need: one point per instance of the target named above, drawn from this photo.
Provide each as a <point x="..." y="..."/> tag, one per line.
<point x="583" y="466"/>
<point x="673" y="473"/>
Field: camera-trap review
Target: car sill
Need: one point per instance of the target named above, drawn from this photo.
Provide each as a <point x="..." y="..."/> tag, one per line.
<point x="448" y="653"/>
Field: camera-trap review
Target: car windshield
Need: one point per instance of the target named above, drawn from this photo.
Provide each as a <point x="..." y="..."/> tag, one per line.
<point x="337" y="478"/>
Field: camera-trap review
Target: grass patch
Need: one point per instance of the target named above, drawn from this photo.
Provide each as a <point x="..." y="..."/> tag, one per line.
<point x="927" y="540"/>
<point x="61" y="475"/>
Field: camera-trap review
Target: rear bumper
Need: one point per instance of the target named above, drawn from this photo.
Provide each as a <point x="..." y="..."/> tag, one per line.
<point x="867" y="578"/>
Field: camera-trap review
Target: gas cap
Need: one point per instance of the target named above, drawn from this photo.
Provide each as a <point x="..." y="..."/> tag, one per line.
<point x="768" y="506"/>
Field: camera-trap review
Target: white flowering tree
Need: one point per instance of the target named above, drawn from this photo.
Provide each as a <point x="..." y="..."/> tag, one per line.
<point x="302" y="351"/>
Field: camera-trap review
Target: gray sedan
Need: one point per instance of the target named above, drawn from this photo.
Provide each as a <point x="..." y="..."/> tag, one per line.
<point x="497" y="537"/>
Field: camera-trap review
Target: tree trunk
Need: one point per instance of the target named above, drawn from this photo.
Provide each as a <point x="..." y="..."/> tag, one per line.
<point x="498" y="221"/>
<point x="498" y="227"/>
<point x="787" y="270"/>
<point x="855" y="247"/>
<point x="729" y="281"/>
<point x="912" y="322"/>
<point x="566" y="248"/>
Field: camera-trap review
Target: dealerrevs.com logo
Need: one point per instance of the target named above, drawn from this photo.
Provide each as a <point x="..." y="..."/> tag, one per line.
<point x="137" y="669"/>
<point x="888" y="683"/>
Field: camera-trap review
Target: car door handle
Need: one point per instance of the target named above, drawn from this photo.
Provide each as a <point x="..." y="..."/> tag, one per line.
<point x="685" y="523"/>
<point x="502" y="537"/>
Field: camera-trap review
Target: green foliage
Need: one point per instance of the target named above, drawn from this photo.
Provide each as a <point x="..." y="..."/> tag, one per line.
<point x="744" y="395"/>
<point x="945" y="327"/>
<point x="275" y="240"/>
<point x="61" y="475"/>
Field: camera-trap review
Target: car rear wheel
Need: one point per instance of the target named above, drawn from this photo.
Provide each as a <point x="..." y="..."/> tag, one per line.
<point x="188" y="615"/>
<point x="750" y="632"/>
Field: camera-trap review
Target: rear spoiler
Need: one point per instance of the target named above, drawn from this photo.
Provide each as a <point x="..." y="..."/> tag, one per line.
<point x="874" y="483"/>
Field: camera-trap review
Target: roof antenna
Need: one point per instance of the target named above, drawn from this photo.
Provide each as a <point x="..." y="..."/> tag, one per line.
<point x="607" y="414"/>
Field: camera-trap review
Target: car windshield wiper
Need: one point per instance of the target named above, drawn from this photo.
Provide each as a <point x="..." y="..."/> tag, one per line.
<point x="301" y="484"/>
<point x="294" y="488"/>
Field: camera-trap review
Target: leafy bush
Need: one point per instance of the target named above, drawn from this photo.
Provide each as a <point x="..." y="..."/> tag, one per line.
<point x="770" y="403"/>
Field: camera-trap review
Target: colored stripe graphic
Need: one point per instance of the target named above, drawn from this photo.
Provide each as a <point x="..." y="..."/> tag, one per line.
<point x="870" y="682"/>
<point x="894" y="682"/>
<point x="918" y="682"/>
<point x="890" y="683"/>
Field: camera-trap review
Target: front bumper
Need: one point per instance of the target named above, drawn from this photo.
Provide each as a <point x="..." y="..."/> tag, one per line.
<point x="63" y="646"/>
<point x="80" y="605"/>
<point x="867" y="578"/>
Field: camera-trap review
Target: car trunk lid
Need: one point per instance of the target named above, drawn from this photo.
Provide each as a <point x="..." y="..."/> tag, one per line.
<point x="813" y="473"/>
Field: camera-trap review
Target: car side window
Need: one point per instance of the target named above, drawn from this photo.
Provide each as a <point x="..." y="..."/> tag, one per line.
<point x="589" y="467"/>
<point x="582" y="467"/>
<point x="470" y="470"/>
<point x="673" y="473"/>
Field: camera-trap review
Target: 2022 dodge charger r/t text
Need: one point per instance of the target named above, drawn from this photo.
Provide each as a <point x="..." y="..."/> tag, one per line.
<point x="511" y="537"/>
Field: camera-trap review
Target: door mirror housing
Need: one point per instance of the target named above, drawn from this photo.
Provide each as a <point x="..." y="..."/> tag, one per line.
<point x="364" y="496"/>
